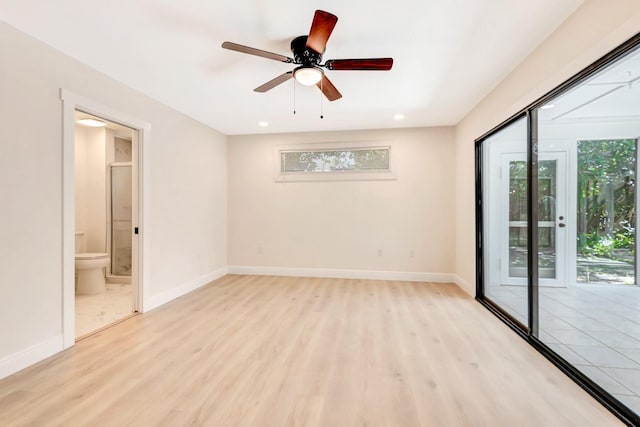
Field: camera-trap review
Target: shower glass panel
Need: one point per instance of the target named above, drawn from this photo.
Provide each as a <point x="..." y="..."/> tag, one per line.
<point x="121" y="220"/>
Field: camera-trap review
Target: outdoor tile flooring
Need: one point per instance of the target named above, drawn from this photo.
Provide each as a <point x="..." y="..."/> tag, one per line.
<point x="594" y="327"/>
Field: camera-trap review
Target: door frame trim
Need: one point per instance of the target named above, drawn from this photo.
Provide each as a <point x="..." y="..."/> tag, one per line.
<point x="70" y="103"/>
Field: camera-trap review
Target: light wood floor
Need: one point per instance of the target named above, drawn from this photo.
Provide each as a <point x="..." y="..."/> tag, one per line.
<point x="266" y="351"/>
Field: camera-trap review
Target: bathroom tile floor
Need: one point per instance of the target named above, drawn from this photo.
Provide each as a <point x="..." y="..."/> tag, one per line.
<point x="595" y="328"/>
<point x="97" y="311"/>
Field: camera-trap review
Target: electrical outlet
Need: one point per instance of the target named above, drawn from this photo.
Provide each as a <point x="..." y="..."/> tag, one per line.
<point x="412" y="254"/>
<point x="379" y="252"/>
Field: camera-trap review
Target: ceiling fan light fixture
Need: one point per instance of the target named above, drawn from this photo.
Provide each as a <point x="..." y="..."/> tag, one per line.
<point x="307" y="75"/>
<point x="307" y="56"/>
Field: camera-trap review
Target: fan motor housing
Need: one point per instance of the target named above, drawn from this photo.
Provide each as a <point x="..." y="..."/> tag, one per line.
<point x="301" y="54"/>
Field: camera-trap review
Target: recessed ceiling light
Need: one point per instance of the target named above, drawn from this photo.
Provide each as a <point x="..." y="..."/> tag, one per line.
<point x="94" y="123"/>
<point x="547" y="106"/>
<point x="263" y="124"/>
<point x="398" y="117"/>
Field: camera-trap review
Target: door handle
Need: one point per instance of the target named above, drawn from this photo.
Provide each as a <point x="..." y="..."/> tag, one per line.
<point x="561" y="225"/>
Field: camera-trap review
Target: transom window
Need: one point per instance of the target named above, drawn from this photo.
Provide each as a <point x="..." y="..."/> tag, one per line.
<point x="356" y="159"/>
<point x="339" y="161"/>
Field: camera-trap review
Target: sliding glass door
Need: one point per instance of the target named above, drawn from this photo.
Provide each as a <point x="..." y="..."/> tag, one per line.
<point x="565" y="171"/>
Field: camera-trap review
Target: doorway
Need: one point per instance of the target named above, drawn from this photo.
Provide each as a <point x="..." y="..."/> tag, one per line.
<point x="104" y="196"/>
<point x="552" y="219"/>
<point x="140" y="195"/>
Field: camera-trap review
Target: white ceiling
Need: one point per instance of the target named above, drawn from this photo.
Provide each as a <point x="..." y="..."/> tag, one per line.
<point x="448" y="54"/>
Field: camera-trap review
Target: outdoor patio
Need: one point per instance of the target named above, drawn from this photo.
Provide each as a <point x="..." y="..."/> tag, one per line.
<point x="599" y="270"/>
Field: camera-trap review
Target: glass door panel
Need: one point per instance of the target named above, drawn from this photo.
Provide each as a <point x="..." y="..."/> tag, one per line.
<point x="593" y="322"/>
<point x="517" y="240"/>
<point x="551" y="181"/>
<point x="505" y="219"/>
<point x="547" y="220"/>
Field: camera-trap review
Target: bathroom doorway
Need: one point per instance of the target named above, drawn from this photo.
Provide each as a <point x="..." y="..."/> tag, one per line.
<point x="105" y="289"/>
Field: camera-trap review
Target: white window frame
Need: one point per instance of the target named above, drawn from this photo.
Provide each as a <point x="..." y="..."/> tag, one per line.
<point x="343" y="175"/>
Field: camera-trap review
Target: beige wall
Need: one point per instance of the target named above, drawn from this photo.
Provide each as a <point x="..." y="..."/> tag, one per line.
<point x="90" y="196"/>
<point x="80" y="156"/>
<point x="188" y="188"/>
<point x="342" y="225"/>
<point x="593" y="30"/>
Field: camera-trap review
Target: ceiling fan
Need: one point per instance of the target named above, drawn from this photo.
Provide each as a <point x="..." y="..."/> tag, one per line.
<point x="307" y="54"/>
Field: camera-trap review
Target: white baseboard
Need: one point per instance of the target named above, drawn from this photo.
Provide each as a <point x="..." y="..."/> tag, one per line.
<point x="465" y="286"/>
<point x="29" y="356"/>
<point x="155" y="301"/>
<point x="343" y="274"/>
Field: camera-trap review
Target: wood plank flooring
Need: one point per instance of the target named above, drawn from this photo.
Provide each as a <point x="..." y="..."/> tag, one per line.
<point x="279" y="351"/>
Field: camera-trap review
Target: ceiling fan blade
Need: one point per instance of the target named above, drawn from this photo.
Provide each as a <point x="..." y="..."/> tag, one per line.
<point x="321" y="28"/>
<point x="275" y="82"/>
<point x="380" y="64"/>
<point x="257" y="52"/>
<point x="328" y="89"/>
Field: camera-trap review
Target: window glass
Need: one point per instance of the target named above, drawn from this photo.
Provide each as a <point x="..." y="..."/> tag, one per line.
<point x="589" y="298"/>
<point x="505" y="225"/>
<point x="369" y="159"/>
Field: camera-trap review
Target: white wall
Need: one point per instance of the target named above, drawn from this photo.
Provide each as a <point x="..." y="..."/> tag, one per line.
<point x="342" y="225"/>
<point x="594" y="29"/>
<point x="188" y="187"/>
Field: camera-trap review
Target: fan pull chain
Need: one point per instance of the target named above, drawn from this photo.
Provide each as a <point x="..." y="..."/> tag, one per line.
<point x="294" y="96"/>
<point x="321" y="96"/>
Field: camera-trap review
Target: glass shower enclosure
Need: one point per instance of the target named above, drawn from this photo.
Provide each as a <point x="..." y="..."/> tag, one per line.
<point x="120" y="221"/>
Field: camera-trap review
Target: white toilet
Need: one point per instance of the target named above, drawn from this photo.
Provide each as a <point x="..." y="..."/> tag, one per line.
<point x="90" y="269"/>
